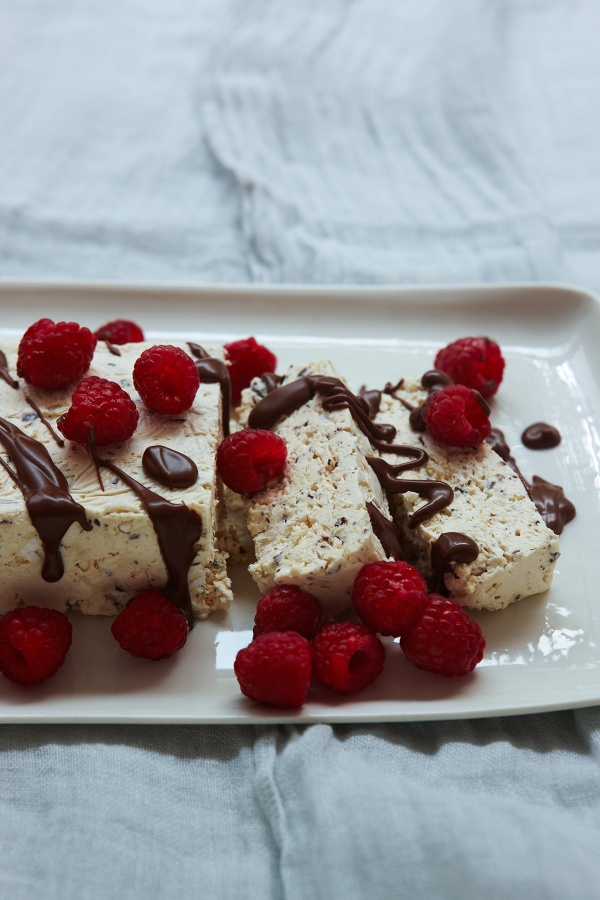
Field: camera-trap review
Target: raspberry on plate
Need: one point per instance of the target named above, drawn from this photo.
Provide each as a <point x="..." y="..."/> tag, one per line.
<point x="150" y="626"/>
<point x="445" y="640"/>
<point x="287" y="608"/>
<point x="389" y="596"/>
<point x="34" y="642"/>
<point x="275" y="668"/>
<point x="120" y="331"/>
<point x="53" y="355"/>
<point x="249" y="459"/>
<point x="456" y="416"/>
<point x="102" y="405"/>
<point x="476" y="362"/>
<point x="247" y="360"/>
<point x="166" y="379"/>
<point x="347" y="656"/>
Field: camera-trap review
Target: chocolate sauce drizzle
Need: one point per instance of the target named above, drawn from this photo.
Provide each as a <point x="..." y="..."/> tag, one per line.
<point x="51" y="508"/>
<point x="169" y="467"/>
<point x="451" y="546"/>
<point x="45" y="421"/>
<point x="178" y="529"/>
<point x="386" y="532"/>
<point x="214" y="371"/>
<point x="554" y="508"/>
<point x="112" y="349"/>
<point x="438" y="494"/>
<point x="5" y="374"/>
<point x="541" y="436"/>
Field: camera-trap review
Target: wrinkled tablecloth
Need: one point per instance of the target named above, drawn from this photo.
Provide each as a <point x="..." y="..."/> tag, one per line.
<point x="344" y="141"/>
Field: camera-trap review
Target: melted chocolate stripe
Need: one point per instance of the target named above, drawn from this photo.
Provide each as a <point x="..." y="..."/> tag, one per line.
<point x="45" y="421"/>
<point x="214" y="371"/>
<point x="438" y="494"/>
<point x="451" y="546"/>
<point x="51" y="508"/>
<point x="178" y="529"/>
<point x="386" y="532"/>
<point x="5" y="374"/>
<point x="169" y="467"/>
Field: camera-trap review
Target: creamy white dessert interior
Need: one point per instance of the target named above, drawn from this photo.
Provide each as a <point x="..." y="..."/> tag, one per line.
<point x="120" y="554"/>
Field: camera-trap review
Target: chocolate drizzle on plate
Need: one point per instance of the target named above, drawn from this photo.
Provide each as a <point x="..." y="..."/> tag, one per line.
<point x="5" y="374"/>
<point x="554" y="508"/>
<point x="214" y="371"/>
<point x="451" y="546"/>
<point x="169" y="467"/>
<point x="178" y="529"/>
<point x="51" y="508"/>
<point x="541" y="436"/>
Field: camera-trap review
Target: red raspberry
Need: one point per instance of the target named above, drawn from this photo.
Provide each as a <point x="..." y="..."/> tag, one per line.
<point x="150" y="626"/>
<point x="456" y="416"/>
<point x="166" y="379"/>
<point x="476" y="362"/>
<point x="445" y="640"/>
<point x="102" y="405"/>
<point x="248" y="460"/>
<point x="247" y="360"/>
<point x="287" y="608"/>
<point x="34" y="642"/>
<point x="53" y="355"/>
<point x="120" y="331"/>
<point x="389" y="596"/>
<point x="347" y="656"/>
<point x="275" y="668"/>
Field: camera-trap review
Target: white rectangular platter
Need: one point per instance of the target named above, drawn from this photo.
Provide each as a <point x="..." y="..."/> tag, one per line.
<point x="542" y="653"/>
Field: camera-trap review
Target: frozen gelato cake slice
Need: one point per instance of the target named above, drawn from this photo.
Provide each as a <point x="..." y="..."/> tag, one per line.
<point x="488" y="504"/>
<point x="75" y="537"/>
<point x="315" y="529"/>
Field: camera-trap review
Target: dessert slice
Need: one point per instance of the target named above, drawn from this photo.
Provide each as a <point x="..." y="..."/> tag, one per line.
<point x="489" y="545"/>
<point x="73" y="536"/>
<point x="315" y="528"/>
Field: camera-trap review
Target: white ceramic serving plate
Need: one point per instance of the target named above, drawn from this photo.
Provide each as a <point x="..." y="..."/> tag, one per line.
<point x="542" y="653"/>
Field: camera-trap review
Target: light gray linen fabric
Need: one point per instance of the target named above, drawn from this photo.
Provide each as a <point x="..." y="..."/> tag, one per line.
<point x="344" y="141"/>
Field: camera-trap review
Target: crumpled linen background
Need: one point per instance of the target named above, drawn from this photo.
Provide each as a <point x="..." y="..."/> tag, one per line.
<point x="345" y="141"/>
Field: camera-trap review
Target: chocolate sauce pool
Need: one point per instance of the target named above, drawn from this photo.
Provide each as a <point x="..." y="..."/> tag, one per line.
<point x="541" y="436"/>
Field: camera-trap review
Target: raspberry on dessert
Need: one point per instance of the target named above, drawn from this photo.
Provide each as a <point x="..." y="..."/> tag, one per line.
<point x="347" y="656"/>
<point x="287" y="608"/>
<point x="34" y="642"/>
<point x="389" y="596"/>
<point x="456" y="416"/>
<point x="249" y="459"/>
<point x="53" y="355"/>
<point x="247" y="360"/>
<point x="476" y="362"/>
<point x="166" y="379"/>
<point x="275" y="668"/>
<point x="120" y="331"/>
<point x="102" y="405"/>
<point x="150" y="626"/>
<point x="445" y="640"/>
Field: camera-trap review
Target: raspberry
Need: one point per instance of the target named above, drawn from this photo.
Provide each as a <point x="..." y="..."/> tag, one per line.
<point x="287" y="608"/>
<point x="347" y="656"/>
<point x="166" y="379"/>
<point x="150" y="626"/>
<point x="102" y="405"/>
<point x="455" y="416"/>
<point x="34" y="642"/>
<point x="389" y="596"/>
<point x="53" y="355"/>
<point x="247" y="360"/>
<point x="120" y="331"/>
<point x="476" y="362"/>
<point x="445" y="640"/>
<point x="275" y="668"/>
<point x="248" y="460"/>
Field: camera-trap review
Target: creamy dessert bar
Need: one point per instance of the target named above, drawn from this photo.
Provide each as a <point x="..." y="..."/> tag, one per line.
<point x="490" y="506"/>
<point x="314" y="529"/>
<point x="123" y="535"/>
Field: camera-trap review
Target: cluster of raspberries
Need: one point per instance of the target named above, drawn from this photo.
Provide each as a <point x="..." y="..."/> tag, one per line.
<point x="291" y="643"/>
